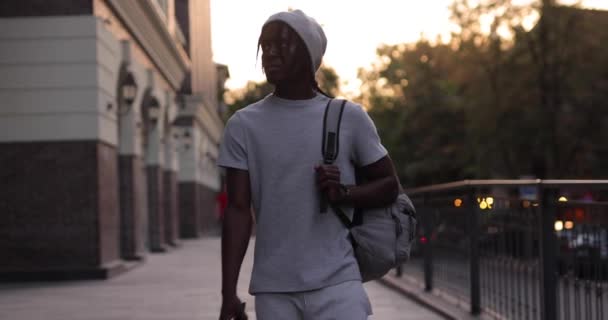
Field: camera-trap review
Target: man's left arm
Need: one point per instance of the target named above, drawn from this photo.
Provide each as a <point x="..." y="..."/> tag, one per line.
<point x="381" y="185"/>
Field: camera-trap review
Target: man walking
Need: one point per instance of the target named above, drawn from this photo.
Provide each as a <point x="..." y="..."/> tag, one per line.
<point x="304" y="266"/>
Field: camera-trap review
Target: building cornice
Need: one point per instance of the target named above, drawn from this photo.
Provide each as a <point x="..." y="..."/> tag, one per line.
<point x="149" y="30"/>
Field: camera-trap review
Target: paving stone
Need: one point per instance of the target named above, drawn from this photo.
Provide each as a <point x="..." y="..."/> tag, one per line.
<point x="182" y="284"/>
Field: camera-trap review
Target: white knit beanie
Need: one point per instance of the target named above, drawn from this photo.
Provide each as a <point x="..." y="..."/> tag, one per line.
<point x="309" y="30"/>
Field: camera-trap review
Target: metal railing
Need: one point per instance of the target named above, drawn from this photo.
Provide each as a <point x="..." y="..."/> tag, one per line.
<point x="515" y="249"/>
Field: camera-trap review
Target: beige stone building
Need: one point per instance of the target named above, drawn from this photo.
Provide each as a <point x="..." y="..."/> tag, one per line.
<point x="109" y="131"/>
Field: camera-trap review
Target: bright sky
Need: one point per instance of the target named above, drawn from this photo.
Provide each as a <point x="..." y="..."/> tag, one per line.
<point x="354" y="29"/>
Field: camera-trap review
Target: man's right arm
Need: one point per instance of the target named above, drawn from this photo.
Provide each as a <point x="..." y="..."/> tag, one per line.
<point x="236" y="230"/>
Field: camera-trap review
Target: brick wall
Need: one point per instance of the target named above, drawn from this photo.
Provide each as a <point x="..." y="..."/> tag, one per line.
<point x="208" y="221"/>
<point x="156" y="218"/>
<point x="132" y="206"/>
<point x="189" y="206"/>
<point x="171" y="207"/>
<point x="58" y="205"/>
<point x="29" y="8"/>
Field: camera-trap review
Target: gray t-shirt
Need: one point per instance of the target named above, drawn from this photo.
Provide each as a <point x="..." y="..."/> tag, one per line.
<point x="278" y="141"/>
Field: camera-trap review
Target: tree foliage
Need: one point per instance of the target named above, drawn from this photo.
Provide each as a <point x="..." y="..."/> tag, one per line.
<point x="328" y="80"/>
<point x="252" y="92"/>
<point x="502" y="99"/>
<point x="417" y="111"/>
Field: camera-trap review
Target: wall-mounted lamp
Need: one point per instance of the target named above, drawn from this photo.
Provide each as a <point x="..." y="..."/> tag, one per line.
<point x="153" y="111"/>
<point x="127" y="91"/>
<point x="187" y="140"/>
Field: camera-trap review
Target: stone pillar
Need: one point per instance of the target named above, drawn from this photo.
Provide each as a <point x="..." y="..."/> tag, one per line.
<point x="132" y="171"/>
<point x="153" y="108"/>
<point x="189" y="203"/>
<point x="198" y="174"/>
<point x="171" y="194"/>
<point x="170" y="167"/>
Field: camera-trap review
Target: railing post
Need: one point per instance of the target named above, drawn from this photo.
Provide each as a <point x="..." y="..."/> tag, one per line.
<point x="473" y="251"/>
<point x="547" y="253"/>
<point x="428" y="246"/>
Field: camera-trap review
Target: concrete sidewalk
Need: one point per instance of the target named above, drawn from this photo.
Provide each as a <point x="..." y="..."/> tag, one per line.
<point x="183" y="284"/>
<point x="440" y="302"/>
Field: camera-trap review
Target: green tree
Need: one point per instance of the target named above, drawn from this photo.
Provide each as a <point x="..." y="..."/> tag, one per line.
<point x="496" y="97"/>
<point x="415" y="103"/>
<point x="532" y="85"/>
<point x="500" y="100"/>
<point x="328" y="80"/>
<point x="240" y="98"/>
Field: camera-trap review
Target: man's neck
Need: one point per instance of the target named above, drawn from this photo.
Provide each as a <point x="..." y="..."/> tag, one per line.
<point x="294" y="91"/>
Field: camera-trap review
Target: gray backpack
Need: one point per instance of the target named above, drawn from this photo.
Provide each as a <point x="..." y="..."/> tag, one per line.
<point x="383" y="238"/>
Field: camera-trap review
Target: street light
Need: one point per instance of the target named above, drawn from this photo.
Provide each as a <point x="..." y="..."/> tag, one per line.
<point x="457" y="202"/>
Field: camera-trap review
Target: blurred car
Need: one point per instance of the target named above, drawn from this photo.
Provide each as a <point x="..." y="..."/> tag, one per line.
<point x="584" y="254"/>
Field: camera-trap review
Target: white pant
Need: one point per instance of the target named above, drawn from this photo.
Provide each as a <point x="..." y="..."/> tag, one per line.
<point x="344" y="301"/>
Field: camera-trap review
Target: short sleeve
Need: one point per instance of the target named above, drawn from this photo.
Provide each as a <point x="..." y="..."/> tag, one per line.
<point x="233" y="148"/>
<point x="367" y="148"/>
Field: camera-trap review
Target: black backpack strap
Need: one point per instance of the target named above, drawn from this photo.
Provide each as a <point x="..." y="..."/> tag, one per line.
<point x="330" y="145"/>
<point x="343" y="217"/>
<point x="331" y="130"/>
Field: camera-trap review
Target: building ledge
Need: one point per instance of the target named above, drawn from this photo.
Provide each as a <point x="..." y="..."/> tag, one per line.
<point x="151" y="33"/>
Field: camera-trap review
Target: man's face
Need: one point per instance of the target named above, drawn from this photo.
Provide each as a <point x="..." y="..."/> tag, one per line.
<point x="283" y="53"/>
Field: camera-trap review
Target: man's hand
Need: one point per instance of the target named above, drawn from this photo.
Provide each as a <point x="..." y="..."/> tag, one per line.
<point x="231" y="308"/>
<point x="328" y="182"/>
